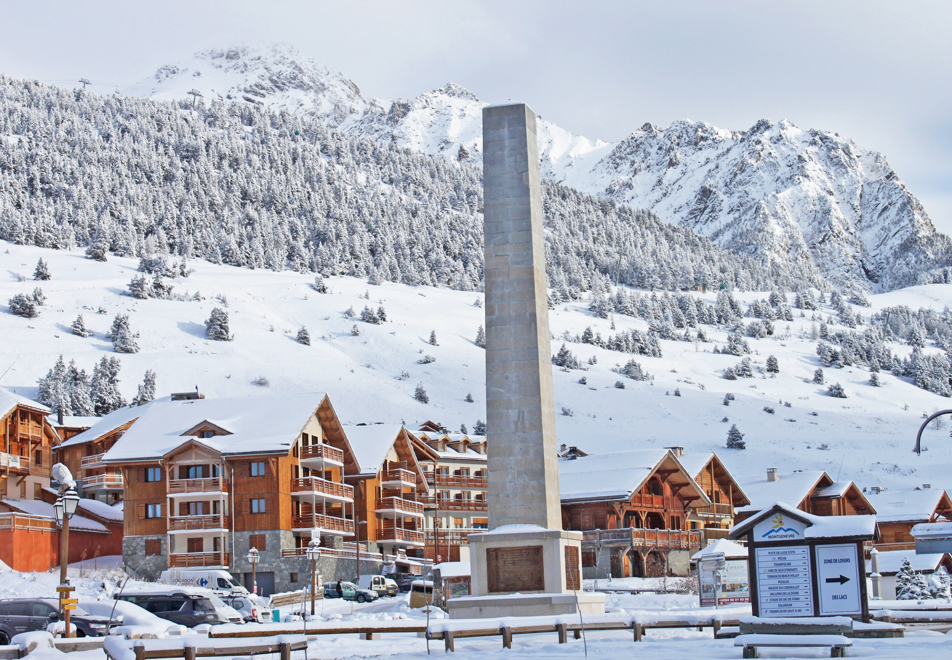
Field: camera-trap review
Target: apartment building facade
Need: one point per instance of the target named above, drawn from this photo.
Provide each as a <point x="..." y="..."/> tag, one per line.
<point x="28" y="440"/>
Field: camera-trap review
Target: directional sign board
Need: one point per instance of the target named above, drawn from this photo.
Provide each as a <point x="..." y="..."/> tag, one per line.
<point x="838" y="579"/>
<point x="784" y="581"/>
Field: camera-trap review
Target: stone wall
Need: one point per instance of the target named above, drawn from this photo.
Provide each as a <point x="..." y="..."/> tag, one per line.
<point x="135" y="561"/>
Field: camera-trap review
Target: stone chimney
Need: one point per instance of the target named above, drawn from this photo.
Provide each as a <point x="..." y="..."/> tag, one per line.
<point x="677" y="451"/>
<point x="771" y="474"/>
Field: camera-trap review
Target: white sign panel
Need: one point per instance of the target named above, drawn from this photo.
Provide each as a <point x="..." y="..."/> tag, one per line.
<point x="838" y="579"/>
<point x="784" y="585"/>
<point x="778" y="528"/>
<point x="735" y="589"/>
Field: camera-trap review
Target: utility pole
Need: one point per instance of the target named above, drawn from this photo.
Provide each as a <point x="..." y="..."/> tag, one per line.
<point x="85" y="82"/>
<point x="195" y="94"/>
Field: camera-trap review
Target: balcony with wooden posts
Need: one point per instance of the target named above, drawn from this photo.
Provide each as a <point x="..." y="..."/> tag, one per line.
<point x="92" y="462"/>
<point x="644" y="539"/>
<point x="397" y="507"/>
<point x="397" y="478"/>
<point x="102" y="482"/>
<point x="401" y="537"/>
<point x="213" y="486"/>
<point x="328" y="525"/>
<point x="454" y="504"/>
<point x="321" y="489"/>
<point x="321" y="456"/>
<point x="645" y="501"/>
<point x="457" y="481"/>
<point x="214" y="522"/>
<point x="15" y="463"/>
<point x="199" y="560"/>
<point x="715" y="510"/>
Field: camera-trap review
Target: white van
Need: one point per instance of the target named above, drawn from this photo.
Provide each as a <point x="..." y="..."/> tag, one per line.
<point x="218" y="580"/>
<point x="383" y="585"/>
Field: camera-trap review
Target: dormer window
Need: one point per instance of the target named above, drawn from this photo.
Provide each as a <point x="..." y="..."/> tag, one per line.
<point x="207" y="434"/>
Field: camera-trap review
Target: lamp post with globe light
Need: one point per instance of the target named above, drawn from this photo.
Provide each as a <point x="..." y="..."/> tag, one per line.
<point x="63" y="510"/>
<point x="253" y="558"/>
<point x="313" y="553"/>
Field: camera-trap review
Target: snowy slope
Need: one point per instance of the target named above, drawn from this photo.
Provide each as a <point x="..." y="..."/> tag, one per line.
<point x="868" y="436"/>
<point x="774" y="192"/>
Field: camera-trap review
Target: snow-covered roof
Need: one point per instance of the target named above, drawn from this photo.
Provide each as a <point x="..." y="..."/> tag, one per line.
<point x="835" y="489"/>
<point x="101" y="509"/>
<point x="10" y="400"/>
<point x="817" y="527"/>
<point x="41" y="508"/>
<point x="73" y="421"/>
<point x="935" y="530"/>
<point x="257" y="425"/>
<point x="109" y="423"/>
<point x="606" y="476"/>
<point x="730" y="549"/>
<point x="790" y="487"/>
<point x="371" y="443"/>
<point x="451" y="569"/>
<point x="469" y="455"/>
<point x="891" y="561"/>
<point x="694" y="463"/>
<point x="905" y="505"/>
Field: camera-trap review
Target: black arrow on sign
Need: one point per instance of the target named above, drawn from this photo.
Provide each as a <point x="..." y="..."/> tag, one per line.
<point x="842" y="579"/>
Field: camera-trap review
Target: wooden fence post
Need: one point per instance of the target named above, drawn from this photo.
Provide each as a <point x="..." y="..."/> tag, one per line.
<point x="507" y="637"/>
<point x="189" y="652"/>
<point x="285" y="648"/>
<point x="139" y="650"/>
<point x="638" y="630"/>
<point x="448" y="641"/>
<point x="563" y="633"/>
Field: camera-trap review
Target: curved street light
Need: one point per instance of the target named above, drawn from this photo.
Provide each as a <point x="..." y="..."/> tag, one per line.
<point x="922" y="428"/>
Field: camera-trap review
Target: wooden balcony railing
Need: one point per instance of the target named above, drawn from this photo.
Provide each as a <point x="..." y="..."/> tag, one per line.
<point x="27" y="522"/>
<point x="397" y="535"/>
<point x="652" y="501"/>
<point x="716" y="510"/>
<point x="196" y="523"/>
<point x="94" y="461"/>
<point x="199" y="559"/>
<point x="654" y="538"/>
<point x="398" y="505"/>
<point x="329" y="523"/>
<point x="453" y="504"/>
<point x="322" y="452"/>
<point x="197" y="486"/>
<point x="457" y="481"/>
<point x="14" y="462"/>
<point x="398" y="475"/>
<point x="102" y="482"/>
<point x="323" y="487"/>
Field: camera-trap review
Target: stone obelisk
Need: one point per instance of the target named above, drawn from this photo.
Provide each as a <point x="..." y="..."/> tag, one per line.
<point x="520" y="407"/>
<point x="525" y="564"/>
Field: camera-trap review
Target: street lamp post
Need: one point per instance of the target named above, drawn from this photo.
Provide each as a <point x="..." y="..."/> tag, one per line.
<point x="253" y="558"/>
<point x="313" y="553"/>
<point x="63" y="510"/>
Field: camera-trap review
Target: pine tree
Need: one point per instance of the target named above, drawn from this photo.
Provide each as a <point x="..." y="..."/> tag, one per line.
<point x="469" y="397"/>
<point x="874" y="379"/>
<point x="818" y="377"/>
<point x="566" y="359"/>
<point x="836" y="390"/>
<point x="123" y="339"/>
<point x="80" y="402"/>
<point x="104" y="388"/>
<point x="54" y="389"/>
<point x="97" y="250"/>
<point x="24" y="305"/>
<point x="139" y="287"/>
<point x="735" y="439"/>
<point x="942" y="584"/>
<point x="463" y="429"/>
<point x="420" y="394"/>
<point x="303" y="337"/>
<point x="319" y="285"/>
<point x="216" y="326"/>
<point x="79" y="327"/>
<point x="481" y="337"/>
<point x="772" y="366"/>
<point x="433" y="338"/>
<point x="369" y="316"/>
<point x="146" y="391"/>
<point x="906" y="588"/>
<point x="479" y="428"/>
<point x="355" y="331"/>
<point x="382" y="314"/>
<point x="42" y="271"/>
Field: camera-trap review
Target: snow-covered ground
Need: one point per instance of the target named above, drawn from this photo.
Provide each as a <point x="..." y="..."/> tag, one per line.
<point x="371" y="377"/>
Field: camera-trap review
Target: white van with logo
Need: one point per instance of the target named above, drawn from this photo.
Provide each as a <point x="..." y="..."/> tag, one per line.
<point x="218" y="580"/>
<point x="383" y="585"/>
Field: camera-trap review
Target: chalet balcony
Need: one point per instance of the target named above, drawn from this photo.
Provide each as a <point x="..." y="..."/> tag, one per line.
<point x="457" y="481"/>
<point x="328" y="525"/>
<point x="92" y="462"/>
<point x="398" y="478"/>
<point x="199" y="560"/>
<point x="103" y="482"/>
<point x="453" y="504"/>
<point x="197" y="487"/>
<point x="321" y="456"/>
<point x="402" y="537"/>
<point x="322" y="489"/>
<point x="23" y="521"/>
<point x="666" y="539"/>
<point x="398" y="507"/>
<point x="15" y="463"/>
<point x="652" y="502"/>
<point x="716" y="510"/>
<point x="210" y="523"/>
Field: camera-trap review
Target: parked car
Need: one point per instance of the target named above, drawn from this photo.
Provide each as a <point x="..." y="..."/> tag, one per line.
<point x="178" y="606"/>
<point x="348" y="591"/>
<point x="19" y="615"/>
<point x="383" y="585"/>
<point x="218" y="580"/>
<point x="404" y="580"/>
<point x="252" y="608"/>
<point x="226" y="613"/>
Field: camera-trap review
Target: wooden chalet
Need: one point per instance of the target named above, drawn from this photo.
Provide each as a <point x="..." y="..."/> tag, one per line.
<point x="633" y="510"/>
<point x="456" y="472"/>
<point x="812" y="492"/>
<point x="722" y="489"/>
<point x="28" y="440"/>
<point x="898" y="511"/>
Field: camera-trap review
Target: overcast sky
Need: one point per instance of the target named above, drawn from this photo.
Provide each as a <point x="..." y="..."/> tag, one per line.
<point x="877" y="72"/>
